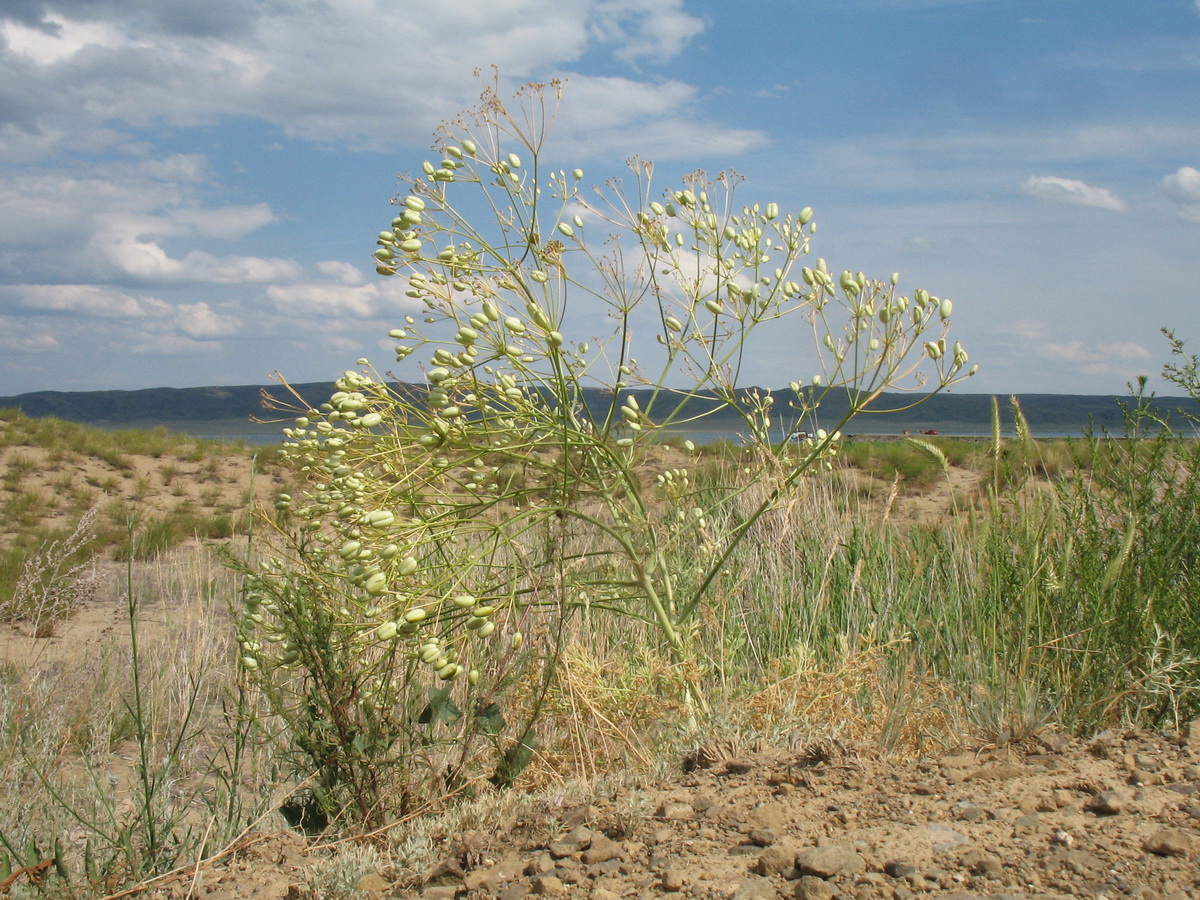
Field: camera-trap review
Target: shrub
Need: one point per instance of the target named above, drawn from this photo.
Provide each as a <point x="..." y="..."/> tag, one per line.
<point x="413" y="607"/>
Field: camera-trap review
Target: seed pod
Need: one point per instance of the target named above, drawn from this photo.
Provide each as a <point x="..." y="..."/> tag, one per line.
<point x="449" y="671"/>
<point x="463" y="601"/>
<point x="466" y="336"/>
<point x="380" y="518"/>
<point x="933" y="350"/>
<point x="416" y="204"/>
<point x="386" y="631"/>
<point x="412" y="245"/>
<point x="469" y="148"/>
<point x="713" y="306"/>
<point x="376" y="584"/>
<point x="565" y="229"/>
<point x="416" y="614"/>
<point x="577" y="174"/>
<point x="554" y="339"/>
<point x="772" y="211"/>
<point x="945" y="309"/>
<point x="578" y="220"/>
<point x="673" y="323"/>
<point x="473" y="677"/>
<point x="515" y="325"/>
<point x="514" y="161"/>
<point x="805" y="216"/>
<point x="429" y="652"/>
<point x="539" y="276"/>
<point x="517" y="639"/>
<point x="486" y="629"/>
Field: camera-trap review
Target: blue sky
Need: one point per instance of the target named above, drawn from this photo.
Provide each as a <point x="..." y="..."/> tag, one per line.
<point x="191" y="191"/>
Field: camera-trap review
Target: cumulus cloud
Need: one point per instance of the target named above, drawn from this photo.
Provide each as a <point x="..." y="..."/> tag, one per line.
<point x="329" y="302"/>
<point x="1182" y="187"/>
<point x="310" y="69"/>
<point x="1073" y="192"/>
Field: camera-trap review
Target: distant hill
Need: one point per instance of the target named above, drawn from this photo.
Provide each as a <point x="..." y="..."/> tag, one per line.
<point x="229" y="410"/>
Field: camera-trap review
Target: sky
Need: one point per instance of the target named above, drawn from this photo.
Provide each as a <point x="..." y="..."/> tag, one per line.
<point x="190" y="192"/>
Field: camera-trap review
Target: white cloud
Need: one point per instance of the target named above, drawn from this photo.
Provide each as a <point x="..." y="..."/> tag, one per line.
<point x="329" y="302"/>
<point x="198" y="321"/>
<point x="1182" y="187"/>
<point x="342" y="272"/>
<point x="311" y="69"/>
<point x="1117" y="358"/>
<point x="645" y="30"/>
<point x="88" y="301"/>
<point x="1070" y="191"/>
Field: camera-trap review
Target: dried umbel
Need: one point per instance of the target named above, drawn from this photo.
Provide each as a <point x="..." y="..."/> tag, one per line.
<point x="445" y="524"/>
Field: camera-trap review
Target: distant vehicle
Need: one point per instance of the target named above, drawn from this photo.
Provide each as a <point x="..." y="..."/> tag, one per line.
<point x="797" y="436"/>
<point x="930" y="431"/>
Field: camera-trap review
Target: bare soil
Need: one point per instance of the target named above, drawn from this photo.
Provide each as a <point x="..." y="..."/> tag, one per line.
<point x="1114" y="816"/>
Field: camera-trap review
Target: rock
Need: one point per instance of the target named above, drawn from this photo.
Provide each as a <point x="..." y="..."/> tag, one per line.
<point x="899" y="868"/>
<point x="672" y="880"/>
<point x="982" y="864"/>
<point x="771" y="814"/>
<point x="548" y="886"/>
<point x="812" y="888"/>
<point x="739" y="766"/>
<point x="775" y="860"/>
<point x="763" y="837"/>
<point x="828" y="862"/>
<point x="439" y="892"/>
<point x="1108" y="803"/>
<point x="517" y="891"/>
<point x="1170" y="842"/>
<point x="1193" y="735"/>
<point x="602" y="849"/>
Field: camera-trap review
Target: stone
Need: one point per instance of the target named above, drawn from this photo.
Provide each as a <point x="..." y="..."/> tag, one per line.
<point x="675" y="810"/>
<point x="775" y="860"/>
<point x="771" y="814"/>
<point x="1108" y="803"/>
<point x="899" y="868"/>
<point x="763" y="837"/>
<point x="672" y="880"/>
<point x="809" y="887"/>
<point x="831" y="861"/>
<point x="602" y="849"/>
<point x="548" y="886"/>
<point x="1170" y="842"/>
<point x="982" y="865"/>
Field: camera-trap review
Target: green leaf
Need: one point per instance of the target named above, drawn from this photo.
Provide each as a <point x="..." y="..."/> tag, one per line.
<point x="515" y="759"/>
<point x="440" y="708"/>
<point x="491" y="720"/>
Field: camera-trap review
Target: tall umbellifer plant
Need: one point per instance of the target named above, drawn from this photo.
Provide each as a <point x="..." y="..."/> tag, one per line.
<point x="445" y="523"/>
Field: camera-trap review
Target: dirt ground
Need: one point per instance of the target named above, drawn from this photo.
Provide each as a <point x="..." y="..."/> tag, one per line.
<point x="1115" y="816"/>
